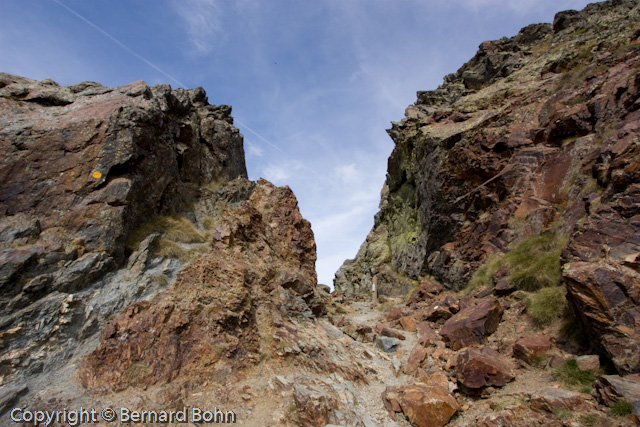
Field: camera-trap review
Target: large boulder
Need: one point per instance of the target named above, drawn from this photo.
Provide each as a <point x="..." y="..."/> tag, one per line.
<point x="424" y="405"/>
<point x="606" y="299"/>
<point x="532" y="347"/>
<point x="483" y="367"/>
<point x="611" y="388"/>
<point x="473" y="324"/>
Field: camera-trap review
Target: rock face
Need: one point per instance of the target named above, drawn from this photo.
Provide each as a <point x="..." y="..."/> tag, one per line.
<point x="134" y="200"/>
<point x="82" y="166"/>
<point x="225" y="308"/>
<point x="535" y="130"/>
<point x="536" y="134"/>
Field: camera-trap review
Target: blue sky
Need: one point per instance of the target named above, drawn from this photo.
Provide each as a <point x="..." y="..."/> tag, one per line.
<point x="313" y="84"/>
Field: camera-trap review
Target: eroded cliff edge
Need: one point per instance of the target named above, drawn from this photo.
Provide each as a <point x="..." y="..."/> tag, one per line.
<point x="536" y="135"/>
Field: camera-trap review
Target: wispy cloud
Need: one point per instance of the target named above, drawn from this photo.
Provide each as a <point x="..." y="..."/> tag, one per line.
<point x="276" y="174"/>
<point x="203" y="22"/>
<point x="253" y="149"/>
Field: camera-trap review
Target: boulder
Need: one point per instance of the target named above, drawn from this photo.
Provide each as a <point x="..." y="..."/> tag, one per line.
<point x="532" y="347"/>
<point x="395" y="313"/>
<point x="389" y="332"/>
<point x="606" y="300"/>
<point x="423" y="405"/>
<point x="473" y="324"/>
<point x="503" y="288"/>
<point x="426" y="335"/>
<point x="417" y="355"/>
<point x="611" y="388"/>
<point x="551" y="399"/>
<point x="443" y="309"/>
<point x="407" y="323"/>
<point x="482" y="367"/>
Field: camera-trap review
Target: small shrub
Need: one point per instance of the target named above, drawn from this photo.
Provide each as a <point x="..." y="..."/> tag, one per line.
<point x="621" y="408"/>
<point x="547" y="304"/>
<point x="340" y="310"/>
<point x="569" y="374"/>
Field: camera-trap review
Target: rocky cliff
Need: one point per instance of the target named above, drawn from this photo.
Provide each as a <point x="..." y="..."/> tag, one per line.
<point x="536" y="137"/>
<point x="134" y="247"/>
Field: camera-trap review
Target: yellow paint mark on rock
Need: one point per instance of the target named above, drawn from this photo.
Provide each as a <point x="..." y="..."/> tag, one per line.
<point x="97" y="175"/>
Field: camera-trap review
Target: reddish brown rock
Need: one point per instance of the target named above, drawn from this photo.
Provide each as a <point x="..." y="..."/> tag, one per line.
<point x="606" y="299"/>
<point x="314" y="407"/>
<point x="589" y="362"/>
<point x="396" y="313"/>
<point x="503" y="288"/>
<point x="472" y="324"/>
<point x="417" y="355"/>
<point x="611" y="388"/>
<point x="386" y="331"/>
<point x="551" y="399"/>
<point x="426" y="335"/>
<point x="427" y="290"/>
<point x="483" y="367"/>
<point x="532" y="347"/>
<point x="185" y="331"/>
<point x="441" y="310"/>
<point x="408" y="323"/>
<point x="423" y="405"/>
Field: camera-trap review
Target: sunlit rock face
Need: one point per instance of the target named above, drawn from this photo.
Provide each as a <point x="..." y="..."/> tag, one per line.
<point x="225" y="307"/>
<point x="531" y="134"/>
<point x="536" y="133"/>
<point x="81" y="167"/>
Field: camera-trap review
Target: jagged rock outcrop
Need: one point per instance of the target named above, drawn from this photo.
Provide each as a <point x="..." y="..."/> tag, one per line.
<point x="226" y="309"/>
<point x="82" y="167"/>
<point x="521" y="137"/>
<point x="537" y="134"/>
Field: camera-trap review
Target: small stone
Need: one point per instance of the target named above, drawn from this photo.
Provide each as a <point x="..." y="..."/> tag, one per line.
<point x="589" y="362"/>
<point x="408" y="323"/>
<point x="387" y="344"/>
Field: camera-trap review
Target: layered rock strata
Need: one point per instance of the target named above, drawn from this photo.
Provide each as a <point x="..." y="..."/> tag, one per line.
<point x="537" y="134"/>
<point x="521" y="137"/>
<point x="82" y="167"/>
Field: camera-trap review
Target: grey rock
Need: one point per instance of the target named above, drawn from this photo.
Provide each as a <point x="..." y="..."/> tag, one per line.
<point x="387" y="344"/>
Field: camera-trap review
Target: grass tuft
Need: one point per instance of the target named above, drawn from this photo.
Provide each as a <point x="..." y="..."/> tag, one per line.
<point x="547" y="304"/>
<point x="589" y="420"/>
<point x="533" y="264"/>
<point x="621" y="408"/>
<point x="571" y="375"/>
<point x="175" y="228"/>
